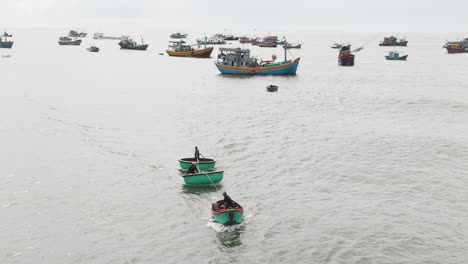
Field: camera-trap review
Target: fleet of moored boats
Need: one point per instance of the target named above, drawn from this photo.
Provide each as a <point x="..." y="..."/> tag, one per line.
<point x="239" y="60"/>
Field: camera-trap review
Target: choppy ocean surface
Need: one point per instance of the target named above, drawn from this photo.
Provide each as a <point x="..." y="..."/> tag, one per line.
<point x="363" y="164"/>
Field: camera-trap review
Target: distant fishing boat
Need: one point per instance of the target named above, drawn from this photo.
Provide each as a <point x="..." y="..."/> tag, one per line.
<point x="457" y="46"/>
<point x="203" y="164"/>
<point x="128" y="43"/>
<point x="272" y="88"/>
<point x="181" y="49"/>
<point x="178" y="35"/>
<point x="238" y="61"/>
<point x="282" y="41"/>
<point x="269" y="42"/>
<point x="245" y="40"/>
<point x="395" y="55"/>
<point x="292" y="46"/>
<point x="230" y="216"/>
<point x="69" y="41"/>
<point x="4" y="43"/>
<point x="337" y="45"/>
<point x="393" y="41"/>
<point x="99" y="35"/>
<point x="215" y="40"/>
<point x="230" y="37"/>
<point x="76" y="34"/>
<point x="203" y="177"/>
<point x="345" y="57"/>
<point x="93" y="49"/>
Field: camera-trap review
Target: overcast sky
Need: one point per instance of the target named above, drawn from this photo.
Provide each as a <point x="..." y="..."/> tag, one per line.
<point x="357" y="15"/>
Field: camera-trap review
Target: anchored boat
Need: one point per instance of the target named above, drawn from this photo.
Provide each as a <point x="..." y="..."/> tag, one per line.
<point x="345" y="57"/>
<point x="128" y="43"/>
<point x="239" y="61"/>
<point x="99" y="35"/>
<point x="178" y="35"/>
<point x="180" y="49"/>
<point x="272" y="88"/>
<point x="457" y="46"/>
<point x="393" y="41"/>
<point x="215" y="40"/>
<point x="202" y="178"/>
<point x="202" y="164"/>
<point x="292" y="46"/>
<point x="69" y="41"/>
<point x="269" y="42"/>
<point x="337" y="45"/>
<point x="4" y="43"/>
<point x="230" y="216"/>
<point x="395" y="55"/>
<point x="76" y="34"/>
<point x="93" y="49"/>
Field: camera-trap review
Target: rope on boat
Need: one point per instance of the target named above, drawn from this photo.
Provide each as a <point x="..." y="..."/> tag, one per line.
<point x="367" y="42"/>
<point x="208" y="176"/>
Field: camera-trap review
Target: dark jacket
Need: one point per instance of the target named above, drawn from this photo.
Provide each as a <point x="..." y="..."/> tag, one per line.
<point x="192" y="169"/>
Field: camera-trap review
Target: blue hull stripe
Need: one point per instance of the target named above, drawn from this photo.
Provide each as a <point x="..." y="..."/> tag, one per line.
<point x="289" y="68"/>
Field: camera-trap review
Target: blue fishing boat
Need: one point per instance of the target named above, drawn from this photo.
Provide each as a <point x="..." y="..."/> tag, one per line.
<point x="4" y="43"/>
<point x="239" y="61"/>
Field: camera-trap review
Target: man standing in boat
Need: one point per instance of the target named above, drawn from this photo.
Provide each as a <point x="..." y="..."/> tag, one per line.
<point x="197" y="154"/>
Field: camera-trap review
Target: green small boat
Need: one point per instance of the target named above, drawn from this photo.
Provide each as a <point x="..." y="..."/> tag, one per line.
<point x="202" y="178"/>
<point x="229" y="216"/>
<point x="394" y="55"/>
<point x="203" y="164"/>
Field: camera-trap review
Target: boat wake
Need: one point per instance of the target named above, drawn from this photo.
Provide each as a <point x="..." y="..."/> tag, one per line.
<point x="220" y="228"/>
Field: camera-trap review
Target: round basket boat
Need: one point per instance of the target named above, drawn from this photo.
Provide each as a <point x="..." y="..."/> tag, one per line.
<point x="203" y="178"/>
<point x="203" y="164"/>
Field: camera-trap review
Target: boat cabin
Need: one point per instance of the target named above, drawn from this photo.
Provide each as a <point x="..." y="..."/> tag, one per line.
<point x="236" y="57"/>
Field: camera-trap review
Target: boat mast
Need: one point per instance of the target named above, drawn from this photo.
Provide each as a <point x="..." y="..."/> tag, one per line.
<point x="285" y="53"/>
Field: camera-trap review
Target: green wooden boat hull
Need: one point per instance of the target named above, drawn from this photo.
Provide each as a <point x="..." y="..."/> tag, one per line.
<point x="231" y="216"/>
<point x="204" y="164"/>
<point x="226" y="219"/>
<point x="203" y="178"/>
<point x="399" y="58"/>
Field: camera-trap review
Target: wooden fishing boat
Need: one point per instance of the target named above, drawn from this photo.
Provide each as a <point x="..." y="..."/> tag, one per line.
<point x="337" y="45"/>
<point x="180" y="49"/>
<point x="4" y="43"/>
<point x="215" y="40"/>
<point x="239" y="61"/>
<point x="291" y="46"/>
<point x="395" y="55"/>
<point x="128" y="43"/>
<point x="272" y="88"/>
<point x="345" y="57"/>
<point x="268" y="44"/>
<point x="76" y="34"/>
<point x="99" y="35"/>
<point x="230" y="216"/>
<point x="457" y="46"/>
<point x="69" y="41"/>
<point x="202" y="178"/>
<point x="93" y="49"/>
<point x="203" y="164"/>
<point x="178" y="35"/>
<point x="393" y="41"/>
